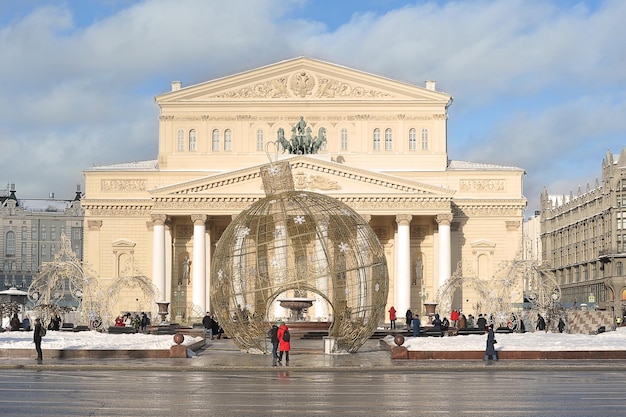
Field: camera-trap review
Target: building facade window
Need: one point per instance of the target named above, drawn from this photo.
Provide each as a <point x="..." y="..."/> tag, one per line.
<point x="9" y="244"/>
<point x="344" y="139"/>
<point x="619" y="268"/>
<point x="377" y="139"/>
<point x="259" y="140"/>
<point x="53" y="233"/>
<point x="215" y="140"/>
<point x="33" y="233"/>
<point x="24" y="233"/>
<point x="228" y="140"/>
<point x="412" y="140"/>
<point x="424" y="139"/>
<point x="180" y="140"/>
<point x="192" y="140"/>
<point x="44" y="233"/>
<point x="388" y="140"/>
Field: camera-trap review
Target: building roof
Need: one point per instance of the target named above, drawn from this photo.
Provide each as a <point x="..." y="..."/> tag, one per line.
<point x="151" y="165"/>
<point x="466" y="165"/>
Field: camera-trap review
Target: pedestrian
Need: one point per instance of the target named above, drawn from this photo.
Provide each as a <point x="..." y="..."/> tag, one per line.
<point x="37" y="336"/>
<point x="461" y="322"/>
<point x="144" y="322"/>
<point x="445" y="324"/>
<point x="15" y="323"/>
<point x="273" y="334"/>
<point x="481" y="323"/>
<point x="409" y="318"/>
<point x="416" y="325"/>
<point x="284" y="342"/>
<point x="26" y="323"/>
<point x="207" y="323"/>
<point x="541" y="323"/>
<point x="454" y="317"/>
<point x="437" y="323"/>
<point x="561" y="325"/>
<point x="392" y="318"/>
<point x="119" y="322"/>
<point x="490" y="351"/>
<point x="470" y="321"/>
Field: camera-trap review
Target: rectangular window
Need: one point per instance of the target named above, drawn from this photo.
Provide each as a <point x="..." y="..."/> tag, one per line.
<point x="53" y="233"/>
<point x="77" y="233"/>
<point x="24" y="233"/>
<point x="215" y="141"/>
<point x="228" y="140"/>
<point x="344" y="139"/>
<point x="259" y="140"/>
<point x="44" y="233"/>
<point x="33" y="233"/>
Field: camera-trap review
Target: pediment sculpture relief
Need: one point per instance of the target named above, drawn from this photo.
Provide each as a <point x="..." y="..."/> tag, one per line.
<point x="302" y="84"/>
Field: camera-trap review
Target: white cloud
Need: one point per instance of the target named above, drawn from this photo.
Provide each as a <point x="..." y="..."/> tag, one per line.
<point x="542" y="79"/>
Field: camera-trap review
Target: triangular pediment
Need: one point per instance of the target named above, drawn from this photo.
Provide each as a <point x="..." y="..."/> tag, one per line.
<point x="302" y="79"/>
<point x="310" y="174"/>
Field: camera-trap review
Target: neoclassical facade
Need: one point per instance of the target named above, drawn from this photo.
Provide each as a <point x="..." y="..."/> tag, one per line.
<point x="385" y="156"/>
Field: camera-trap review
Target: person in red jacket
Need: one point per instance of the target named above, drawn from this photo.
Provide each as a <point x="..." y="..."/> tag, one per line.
<point x="392" y="318"/>
<point x="454" y="317"/>
<point x="284" y="346"/>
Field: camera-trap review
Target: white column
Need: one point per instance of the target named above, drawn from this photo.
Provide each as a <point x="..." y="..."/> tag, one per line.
<point x="402" y="287"/>
<point x="445" y="257"/>
<point x="207" y="257"/>
<point x="158" y="254"/>
<point x="198" y="265"/>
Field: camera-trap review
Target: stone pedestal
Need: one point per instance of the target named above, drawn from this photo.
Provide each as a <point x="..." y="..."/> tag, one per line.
<point x="178" y="351"/>
<point x="399" y="352"/>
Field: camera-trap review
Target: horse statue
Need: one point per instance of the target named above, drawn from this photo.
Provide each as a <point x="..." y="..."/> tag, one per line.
<point x="319" y="140"/>
<point x="287" y="147"/>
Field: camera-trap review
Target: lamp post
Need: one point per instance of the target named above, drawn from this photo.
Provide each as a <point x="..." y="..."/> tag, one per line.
<point x="179" y="295"/>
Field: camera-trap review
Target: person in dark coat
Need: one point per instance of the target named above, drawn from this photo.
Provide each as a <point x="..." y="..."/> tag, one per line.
<point x="416" y="325"/>
<point x="409" y="319"/>
<point x="37" y="339"/>
<point x="15" y="323"/>
<point x="561" y="325"/>
<point x="273" y="334"/>
<point x="541" y="323"/>
<point x="482" y="322"/>
<point x="490" y="351"/>
<point x="437" y="323"/>
<point x="207" y="323"/>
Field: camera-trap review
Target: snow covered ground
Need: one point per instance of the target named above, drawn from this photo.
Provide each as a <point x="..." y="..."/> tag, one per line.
<point x="91" y="340"/>
<point x="538" y="341"/>
<point x="612" y="340"/>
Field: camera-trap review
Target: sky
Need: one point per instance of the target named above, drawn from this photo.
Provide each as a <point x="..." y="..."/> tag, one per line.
<point x="537" y="84"/>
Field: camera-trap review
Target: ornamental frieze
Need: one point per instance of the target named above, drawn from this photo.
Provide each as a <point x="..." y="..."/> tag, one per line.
<point x="303" y="181"/>
<point x="122" y="185"/>
<point x="486" y="211"/>
<point x="302" y="84"/>
<point x="119" y="212"/>
<point x="483" y="185"/>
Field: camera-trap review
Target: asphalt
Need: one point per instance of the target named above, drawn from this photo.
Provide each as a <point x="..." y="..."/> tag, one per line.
<point x="306" y="356"/>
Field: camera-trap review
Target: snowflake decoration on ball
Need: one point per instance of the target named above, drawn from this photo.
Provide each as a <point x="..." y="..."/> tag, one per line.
<point x="220" y="274"/>
<point x="343" y="247"/>
<point x="273" y="170"/>
<point x="245" y="231"/>
<point x="299" y="219"/>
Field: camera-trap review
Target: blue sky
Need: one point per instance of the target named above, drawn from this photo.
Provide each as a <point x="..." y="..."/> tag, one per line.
<point x="538" y="84"/>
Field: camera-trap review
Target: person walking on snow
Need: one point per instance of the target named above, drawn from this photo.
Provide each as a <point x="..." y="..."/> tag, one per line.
<point x="392" y="318"/>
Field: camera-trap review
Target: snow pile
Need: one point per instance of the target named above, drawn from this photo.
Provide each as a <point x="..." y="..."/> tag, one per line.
<point x="537" y="341"/>
<point x="91" y="340"/>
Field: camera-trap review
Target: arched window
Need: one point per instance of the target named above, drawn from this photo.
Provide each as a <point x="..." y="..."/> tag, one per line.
<point x="424" y="139"/>
<point x="215" y="141"/>
<point x="228" y="140"/>
<point x="192" y="140"/>
<point x="388" y="140"/>
<point x="377" y="139"/>
<point x="180" y="143"/>
<point x="344" y="139"/>
<point x="9" y="241"/>
<point x="412" y="139"/>
<point x="259" y="140"/>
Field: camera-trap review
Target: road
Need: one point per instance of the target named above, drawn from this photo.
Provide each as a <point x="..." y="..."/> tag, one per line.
<point x="298" y="393"/>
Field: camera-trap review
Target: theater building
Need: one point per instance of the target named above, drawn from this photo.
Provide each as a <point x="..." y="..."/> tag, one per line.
<point x="385" y="155"/>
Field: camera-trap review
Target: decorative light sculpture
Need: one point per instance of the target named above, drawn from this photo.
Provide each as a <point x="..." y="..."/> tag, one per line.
<point x="298" y="245"/>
